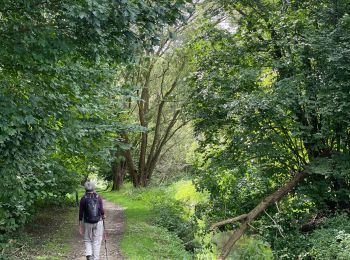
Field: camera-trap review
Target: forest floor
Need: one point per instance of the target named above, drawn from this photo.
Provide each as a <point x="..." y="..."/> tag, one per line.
<point x="53" y="235"/>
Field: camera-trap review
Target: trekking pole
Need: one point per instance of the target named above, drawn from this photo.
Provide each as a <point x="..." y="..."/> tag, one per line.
<point x="105" y="235"/>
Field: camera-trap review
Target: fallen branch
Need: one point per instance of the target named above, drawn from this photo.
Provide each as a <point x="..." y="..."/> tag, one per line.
<point x="227" y="221"/>
<point x="17" y="250"/>
<point x="276" y="196"/>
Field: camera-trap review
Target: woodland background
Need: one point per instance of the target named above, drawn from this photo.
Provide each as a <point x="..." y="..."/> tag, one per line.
<point x="204" y="110"/>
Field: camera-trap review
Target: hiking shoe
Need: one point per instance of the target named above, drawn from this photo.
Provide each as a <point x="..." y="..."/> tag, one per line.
<point x="89" y="257"/>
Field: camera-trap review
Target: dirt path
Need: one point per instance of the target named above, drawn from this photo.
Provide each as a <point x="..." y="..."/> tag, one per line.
<point x="114" y="225"/>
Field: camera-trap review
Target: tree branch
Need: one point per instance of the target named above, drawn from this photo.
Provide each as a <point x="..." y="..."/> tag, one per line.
<point x="278" y="226"/>
<point x="228" y="221"/>
<point x="276" y="196"/>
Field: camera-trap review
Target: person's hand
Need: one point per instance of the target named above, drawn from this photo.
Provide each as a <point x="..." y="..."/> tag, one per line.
<point x="81" y="230"/>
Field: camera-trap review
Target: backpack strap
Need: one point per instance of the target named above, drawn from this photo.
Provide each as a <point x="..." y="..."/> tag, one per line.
<point x="90" y="195"/>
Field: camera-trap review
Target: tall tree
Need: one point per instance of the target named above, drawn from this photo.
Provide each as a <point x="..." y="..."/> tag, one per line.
<point x="58" y="63"/>
<point x="160" y="91"/>
<point x="158" y="110"/>
<point x="270" y="100"/>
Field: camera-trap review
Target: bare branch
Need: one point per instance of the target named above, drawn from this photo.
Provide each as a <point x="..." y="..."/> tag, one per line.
<point x="155" y="142"/>
<point x="278" y="209"/>
<point x="278" y="226"/>
<point x="228" y="221"/>
<point x="177" y="129"/>
<point x="152" y="160"/>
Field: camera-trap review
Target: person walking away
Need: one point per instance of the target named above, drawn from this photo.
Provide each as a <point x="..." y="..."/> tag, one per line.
<point x="91" y="216"/>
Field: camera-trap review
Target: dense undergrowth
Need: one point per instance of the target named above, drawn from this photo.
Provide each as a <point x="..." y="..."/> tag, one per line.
<point x="142" y="238"/>
<point x="161" y="224"/>
<point x="48" y="236"/>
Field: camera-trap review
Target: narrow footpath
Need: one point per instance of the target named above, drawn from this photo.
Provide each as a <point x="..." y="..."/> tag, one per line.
<point x="114" y="223"/>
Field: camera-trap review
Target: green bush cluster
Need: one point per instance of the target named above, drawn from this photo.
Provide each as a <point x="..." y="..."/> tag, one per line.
<point x="247" y="248"/>
<point x="173" y="208"/>
<point x="251" y="248"/>
<point x="142" y="239"/>
<point x="25" y="192"/>
<point x="11" y="240"/>
<point x="329" y="240"/>
<point x="169" y="216"/>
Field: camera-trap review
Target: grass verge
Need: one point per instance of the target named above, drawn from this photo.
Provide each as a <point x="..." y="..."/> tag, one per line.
<point x="141" y="239"/>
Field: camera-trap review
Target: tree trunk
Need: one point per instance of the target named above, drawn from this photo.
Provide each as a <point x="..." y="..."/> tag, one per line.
<point x="130" y="163"/>
<point x="131" y="168"/>
<point x="150" y="148"/>
<point x="118" y="172"/>
<point x="143" y="117"/>
<point x="276" y="196"/>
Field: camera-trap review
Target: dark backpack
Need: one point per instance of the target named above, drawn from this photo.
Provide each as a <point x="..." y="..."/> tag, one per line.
<point x="91" y="211"/>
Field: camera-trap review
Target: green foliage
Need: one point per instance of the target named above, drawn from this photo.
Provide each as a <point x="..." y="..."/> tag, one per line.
<point x="328" y="240"/>
<point x="61" y="104"/>
<point x="246" y="248"/>
<point x="169" y="216"/>
<point x="44" y="237"/>
<point x="141" y="238"/>
<point x="185" y="192"/>
<point x="250" y="248"/>
<point x="332" y="240"/>
<point x="172" y="207"/>
<point x="169" y="207"/>
<point x="157" y="244"/>
<point x="269" y="100"/>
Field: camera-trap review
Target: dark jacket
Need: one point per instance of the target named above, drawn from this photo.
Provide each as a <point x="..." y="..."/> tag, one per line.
<point x="83" y="203"/>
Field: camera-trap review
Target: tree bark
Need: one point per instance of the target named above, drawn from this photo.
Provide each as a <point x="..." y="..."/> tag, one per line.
<point x="152" y="161"/>
<point x="130" y="163"/>
<point x="131" y="168"/>
<point x="143" y="117"/>
<point x="228" y="221"/>
<point x="118" y="172"/>
<point x="274" y="197"/>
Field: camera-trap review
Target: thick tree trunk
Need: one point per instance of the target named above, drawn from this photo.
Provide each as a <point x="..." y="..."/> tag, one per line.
<point x="118" y="172"/>
<point x="143" y="117"/>
<point x="131" y="168"/>
<point x="276" y="196"/>
<point x="130" y="163"/>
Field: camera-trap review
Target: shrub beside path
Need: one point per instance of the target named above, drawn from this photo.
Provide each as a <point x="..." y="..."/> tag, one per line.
<point x="114" y="223"/>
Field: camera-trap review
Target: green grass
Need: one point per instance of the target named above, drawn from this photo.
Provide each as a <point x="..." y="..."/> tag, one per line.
<point x="141" y="239"/>
<point x="50" y="235"/>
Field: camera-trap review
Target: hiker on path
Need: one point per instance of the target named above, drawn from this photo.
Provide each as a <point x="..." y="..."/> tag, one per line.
<point x="91" y="211"/>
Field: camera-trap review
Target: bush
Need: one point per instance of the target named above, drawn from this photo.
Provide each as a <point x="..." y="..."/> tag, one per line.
<point x="169" y="217"/>
<point x="24" y="193"/>
<point x="332" y="241"/>
<point x="251" y="248"/>
<point x="172" y="208"/>
<point x="247" y="248"/>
